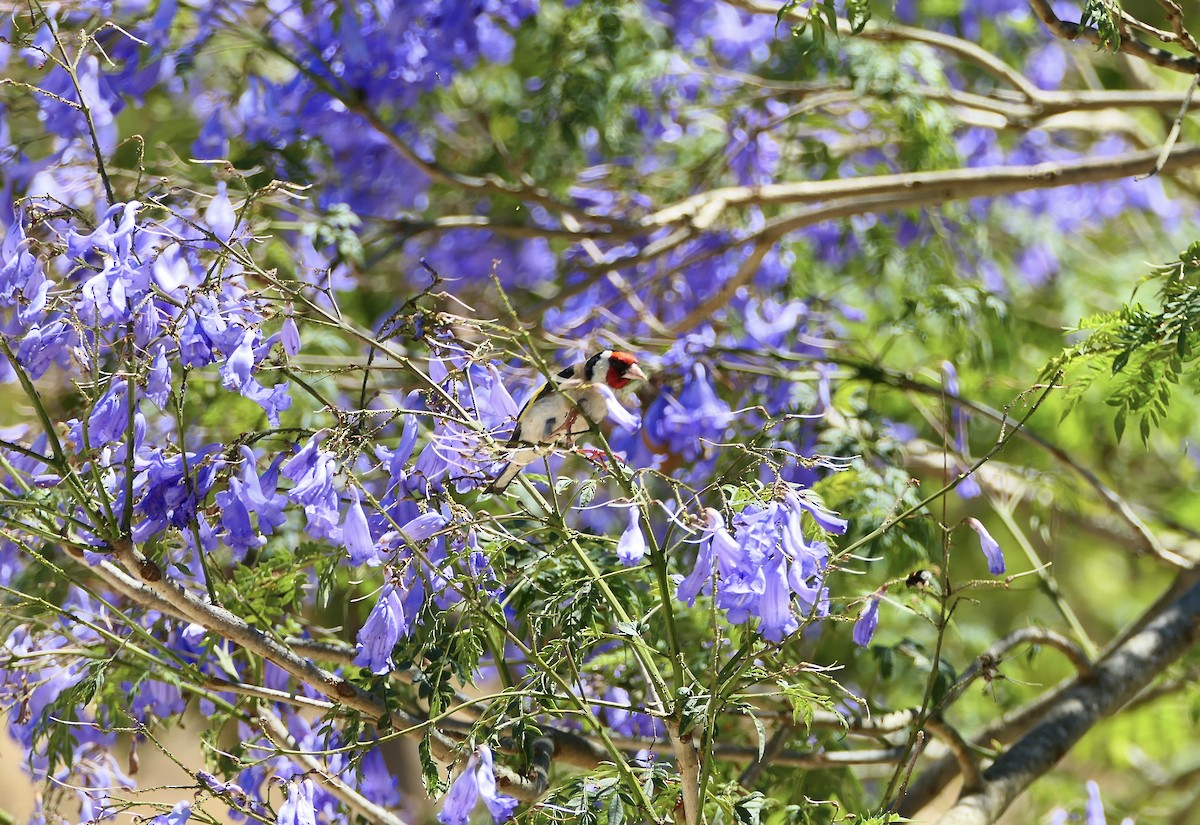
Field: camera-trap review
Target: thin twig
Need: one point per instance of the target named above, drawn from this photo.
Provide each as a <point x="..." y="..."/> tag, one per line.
<point x="1173" y="135"/>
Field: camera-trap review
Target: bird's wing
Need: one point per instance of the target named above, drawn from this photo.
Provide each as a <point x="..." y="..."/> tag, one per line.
<point x="566" y="378"/>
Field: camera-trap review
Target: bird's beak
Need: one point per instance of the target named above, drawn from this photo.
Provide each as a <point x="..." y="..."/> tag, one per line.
<point x="635" y="373"/>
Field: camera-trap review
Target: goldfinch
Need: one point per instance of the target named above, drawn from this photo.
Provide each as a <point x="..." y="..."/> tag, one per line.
<point x="557" y="413"/>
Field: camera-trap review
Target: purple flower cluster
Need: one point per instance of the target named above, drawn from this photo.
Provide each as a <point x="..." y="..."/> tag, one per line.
<point x="755" y="570"/>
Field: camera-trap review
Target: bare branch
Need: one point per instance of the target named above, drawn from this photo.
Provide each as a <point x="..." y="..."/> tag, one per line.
<point x="1183" y="37"/>
<point x="878" y="193"/>
<point x="968" y="765"/>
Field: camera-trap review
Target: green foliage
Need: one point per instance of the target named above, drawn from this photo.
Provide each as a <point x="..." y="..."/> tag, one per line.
<point x="1139" y="354"/>
<point x="1104" y="16"/>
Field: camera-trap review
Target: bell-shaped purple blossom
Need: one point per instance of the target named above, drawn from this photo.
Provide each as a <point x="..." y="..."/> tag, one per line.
<point x="1093" y="811"/>
<point x="828" y="521"/>
<point x="778" y="621"/>
<point x="45" y="345"/>
<point x="396" y="460"/>
<point x="274" y="400"/>
<point x="700" y="579"/>
<point x="158" y="380"/>
<point x="868" y="621"/>
<point x="423" y="527"/>
<point x="157" y="699"/>
<point x="620" y="714"/>
<point x="631" y="547"/>
<point x="251" y="495"/>
<point x="298" y="808"/>
<point x="968" y="488"/>
<point x="378" y="783"/>
<point x="617" y="413"/>
<point x="691" y="424"/>
<point x="219" y="215"/>
<point x="381" y="631"/>
<point x="289" y="336"/>
<point x="178" y="815"/>
<point x="989" y="546"/>
<point x="164" y="494"/>
<point x="478" y="779"/>
<point x="236" y="372"/>
<point x="109" y="417"/>
<point x="356" y="534"/>
<point x="313" y="471"/>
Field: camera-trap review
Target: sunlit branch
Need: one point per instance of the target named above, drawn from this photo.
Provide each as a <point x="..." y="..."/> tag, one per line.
<point x="875" y="193"/>
<point x="1115" y="679"/>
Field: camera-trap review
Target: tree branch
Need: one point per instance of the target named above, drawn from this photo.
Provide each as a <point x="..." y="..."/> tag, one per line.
<point x="1116" y="678"/>
<point x="877" y="193"/>
<point x="1073" y="31"/>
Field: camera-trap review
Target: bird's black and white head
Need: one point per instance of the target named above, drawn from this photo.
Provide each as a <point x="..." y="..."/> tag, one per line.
<point x="614" y="368"/>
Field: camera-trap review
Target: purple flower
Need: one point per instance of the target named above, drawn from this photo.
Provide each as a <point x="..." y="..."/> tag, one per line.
<point x="691" y="423"/>
<point x="110" y="416"/>
<point x="166" y="497"/>
<point x="958" y="416"/>
<point x="378" y="784"/>
<point x="477" y="780"/>
<point x="699" y="580"/>
<point x="313" y="471"/>
<point x="1093" y="811"/>
<point x="236" y="372"/>
<point x="624" y="719"/>
<point x="273" y="400"/>
<point x="290" y="336"/>
<point x="631" y="547"/>
<point x="775" y="609"/>
<point x="43" y="346"/>
<point x="356" y="534"/>
<point x="157" y="698"/>
<point x="423" y="527"/>
<point x="219" y="215"/>
<point x="251" y="495"/>
<point x="989" y="546"/>
<point x="762" y="565"/>
<point x="298" y="809"/>
<point x="382" y="630"/>
<point x="868" y="621"/>
<point x="828" y="521"/>
<point x="180" y="814"/>
<point x="617" y="413"/>
<point x="158" y="382"/>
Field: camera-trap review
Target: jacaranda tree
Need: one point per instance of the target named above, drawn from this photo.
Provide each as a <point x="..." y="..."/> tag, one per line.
<point x="279" y="277"/>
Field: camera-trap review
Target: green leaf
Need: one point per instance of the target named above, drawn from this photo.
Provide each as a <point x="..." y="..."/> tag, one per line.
<point x="616" y="810"/>
<point x="749" y="809"/>
<point x="587" y="492"/>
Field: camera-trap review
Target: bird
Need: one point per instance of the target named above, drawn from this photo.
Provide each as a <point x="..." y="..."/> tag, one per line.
<point x="572" y="404"/>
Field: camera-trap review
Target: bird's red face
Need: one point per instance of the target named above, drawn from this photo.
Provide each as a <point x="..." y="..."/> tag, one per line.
<point x="622" y="368"/>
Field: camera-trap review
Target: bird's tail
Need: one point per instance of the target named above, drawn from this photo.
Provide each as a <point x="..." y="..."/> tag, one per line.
<point x="518" y="460"/>
<point x="501" y="482"/>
